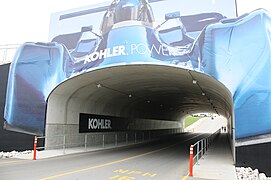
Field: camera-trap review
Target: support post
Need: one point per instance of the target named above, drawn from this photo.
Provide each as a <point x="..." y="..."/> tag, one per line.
<point x="103" y="140"/>
<point x="64" y="144"/>
<point x="202" y="148"/>
<point x="126" y="138"/>
<point x="197" y="154"/>
<point x="116" y="139"/>
<point x="86" y="140"/>
<point x="35" y="148"/>
<point x="191" y="161"/>
<point x="205" y="145"/>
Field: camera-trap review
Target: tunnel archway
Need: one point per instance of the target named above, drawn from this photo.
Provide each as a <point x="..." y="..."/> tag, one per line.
<point x="162" y="94"/>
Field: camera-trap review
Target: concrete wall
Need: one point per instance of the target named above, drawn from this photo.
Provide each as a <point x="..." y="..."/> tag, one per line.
<point x="97" y="140"/>
<point x="55" y="132"/>
<point x="65" y="105"/>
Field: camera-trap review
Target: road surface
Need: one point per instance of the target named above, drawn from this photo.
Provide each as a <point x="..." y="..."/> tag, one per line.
<point x="164" y="159"/>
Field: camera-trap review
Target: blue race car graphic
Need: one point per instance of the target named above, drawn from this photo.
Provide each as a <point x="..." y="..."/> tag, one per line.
<point x="236" y="52"/>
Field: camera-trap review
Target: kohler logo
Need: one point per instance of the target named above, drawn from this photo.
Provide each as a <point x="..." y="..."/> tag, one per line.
<point x="94" y="123"/>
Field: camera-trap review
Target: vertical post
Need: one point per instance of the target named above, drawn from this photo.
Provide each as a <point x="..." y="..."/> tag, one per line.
<point x="35" y="148"/>
<point x="202" y="148"/>
<point x="86" y="140"/>
<point x="103" y="140"/>
<point x="191" y="161"/>
<point x="135" y="137"/>
<point x="64" y="143"/>
<point x="205" y="144"/>
<point x="197" y="152"/>
<point x="116" y="139"/>
<point x="143" y="136"/>
<point x="126" y="138"/>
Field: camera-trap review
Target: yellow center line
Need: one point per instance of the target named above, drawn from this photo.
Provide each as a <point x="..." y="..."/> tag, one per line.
<point x="107" y="164"/>
<point x="185" y="177"/>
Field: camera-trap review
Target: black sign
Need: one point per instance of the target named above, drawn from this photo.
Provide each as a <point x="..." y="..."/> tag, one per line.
<point x="100" y="123"/>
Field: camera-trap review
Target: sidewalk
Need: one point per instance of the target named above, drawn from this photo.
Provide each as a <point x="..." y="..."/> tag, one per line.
<point x="60" y="152"/>
<point x="217" y="163"/>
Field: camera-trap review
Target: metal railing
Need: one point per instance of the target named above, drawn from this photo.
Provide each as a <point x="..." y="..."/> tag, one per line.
<point x="93" y="141"/>
<point x="198" y="149"/>
<point x="7" y="52"/>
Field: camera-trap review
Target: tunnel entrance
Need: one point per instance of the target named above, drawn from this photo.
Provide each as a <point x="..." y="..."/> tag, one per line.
<point x="205" y="123"/>
<point x="152" y="97"/>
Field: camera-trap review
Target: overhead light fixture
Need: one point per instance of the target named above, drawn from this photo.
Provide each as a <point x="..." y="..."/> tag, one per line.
<point x="130" y="95"/>
<point x="99" y="85"/>
<point x="148" y="101"/>
<point x="203" y="93"/>
<point x="194" y="81"/>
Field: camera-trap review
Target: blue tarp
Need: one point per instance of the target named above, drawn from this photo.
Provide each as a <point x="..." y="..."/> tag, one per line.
<point x="238" y="53"/>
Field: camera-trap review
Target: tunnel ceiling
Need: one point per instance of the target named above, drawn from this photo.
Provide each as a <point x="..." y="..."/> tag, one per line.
<point x="145" y="91"/>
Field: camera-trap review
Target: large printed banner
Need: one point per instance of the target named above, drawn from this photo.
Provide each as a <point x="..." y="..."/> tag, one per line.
<point x="205" y="37"/>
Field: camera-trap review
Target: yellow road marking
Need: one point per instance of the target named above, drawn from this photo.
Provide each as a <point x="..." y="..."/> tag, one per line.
<point x="135" y="172"/>
<point x="185" y="177"/>
<point x="107" y="164"/>
<point x="114" y="162"/>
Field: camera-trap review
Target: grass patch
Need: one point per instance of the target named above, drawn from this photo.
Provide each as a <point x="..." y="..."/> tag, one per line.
<point x="190" y="120"/>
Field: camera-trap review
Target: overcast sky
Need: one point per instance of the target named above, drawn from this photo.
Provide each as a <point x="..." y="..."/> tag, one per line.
<point x="28" y="20"/>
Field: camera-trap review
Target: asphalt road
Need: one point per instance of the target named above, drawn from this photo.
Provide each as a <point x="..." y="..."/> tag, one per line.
<point x="166" y="159"/>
